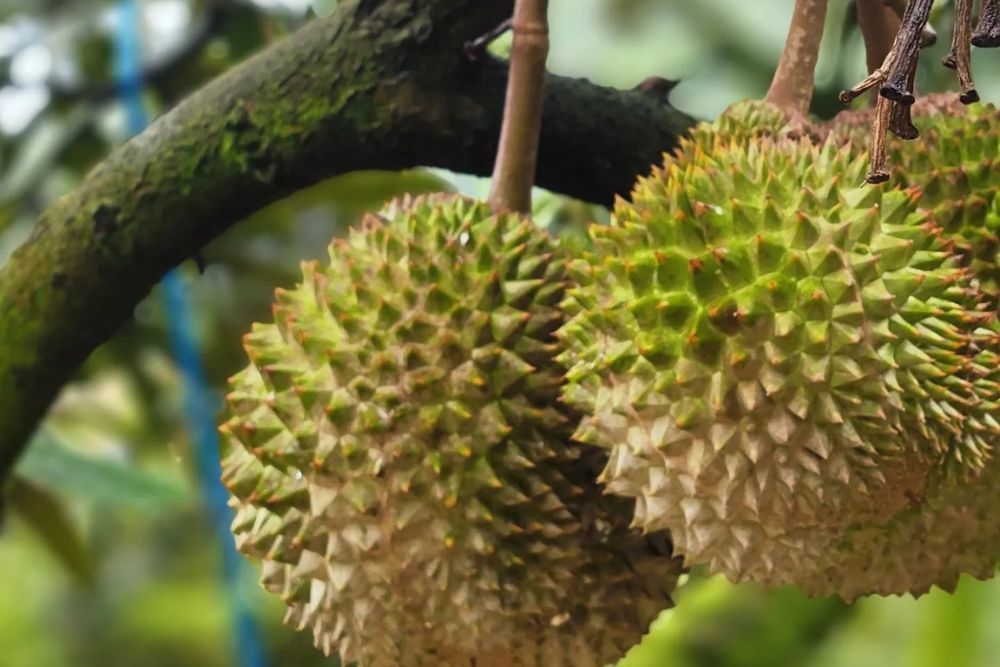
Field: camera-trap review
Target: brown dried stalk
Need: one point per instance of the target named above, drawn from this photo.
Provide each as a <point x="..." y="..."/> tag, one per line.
<point x="792" y="86"/>
<point x="517" y="155"/>
<point x="897" y="85"/>
<point x="893" y="74"/>
<point x="878" y="171"/>
<point x="960" y="56"/>
<point x="900" y="118"/>
<point x="987" y="33"/>
<point x="929" y="36"/>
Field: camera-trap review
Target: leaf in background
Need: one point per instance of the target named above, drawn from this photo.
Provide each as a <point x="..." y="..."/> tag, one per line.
<point x="718" y="624"/>
<point x="54" y="465"/>
<point x="47" y="516"/>
<point x="323" y="8"/>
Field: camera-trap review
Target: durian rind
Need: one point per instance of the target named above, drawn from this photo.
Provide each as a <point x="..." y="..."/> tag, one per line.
<point x="400" y="462"/>
<point x="956" y="167"/>
<point x="774" y="354"/>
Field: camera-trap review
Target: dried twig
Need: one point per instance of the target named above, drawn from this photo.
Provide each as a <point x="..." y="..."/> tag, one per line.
<point x="987" y="33"/>
<point x="892" y="77"/>
<point x="900" y="118"/>
<point x="929" y="35"/>
<point x="897" y="85"/>
<point x="960" y="56"/>
<point x="878" y="171"/>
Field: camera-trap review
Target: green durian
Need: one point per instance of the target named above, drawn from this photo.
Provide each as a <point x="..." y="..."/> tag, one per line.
<point x="956" y="167"/>
<point x="778" y="358"/>
<point x="400" y="461"/>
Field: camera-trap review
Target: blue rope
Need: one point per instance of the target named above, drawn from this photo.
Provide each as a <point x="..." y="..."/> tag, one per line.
<point x="198" y="399"/>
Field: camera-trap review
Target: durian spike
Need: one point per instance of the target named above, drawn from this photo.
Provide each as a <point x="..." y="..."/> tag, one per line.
<point x="517" y="154"/>
<point x="792" y="86"/>
<point x="987" y="33"/>
<point x="960" y="56"/>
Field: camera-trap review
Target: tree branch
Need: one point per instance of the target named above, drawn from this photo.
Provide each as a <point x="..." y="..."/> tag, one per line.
<point x="382" y="84"/>
<point x="793" y="83"/>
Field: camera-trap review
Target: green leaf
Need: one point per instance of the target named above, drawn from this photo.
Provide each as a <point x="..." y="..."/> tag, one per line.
<point x="47" y="517"/>
<point x="53" y="464"/>
<point x="324" y="8"/>
<point x="719" y="624"/>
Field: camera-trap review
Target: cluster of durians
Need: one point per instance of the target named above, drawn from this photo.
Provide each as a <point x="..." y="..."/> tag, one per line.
<point x="794" y="376"/>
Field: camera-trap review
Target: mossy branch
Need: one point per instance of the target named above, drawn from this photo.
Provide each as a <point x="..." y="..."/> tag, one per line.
<point x="382" y="84"/>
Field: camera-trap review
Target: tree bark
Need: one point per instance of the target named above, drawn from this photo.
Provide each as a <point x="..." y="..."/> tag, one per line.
<point x="794" y="81"/>
<point x="381" y="84"/>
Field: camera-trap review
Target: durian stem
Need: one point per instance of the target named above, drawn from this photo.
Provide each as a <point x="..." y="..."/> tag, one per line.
<point x="960" y="56"/>
<point x="892" y="76"/>
<point x="987" y="35"/>
<point x="908" y="43"/>
<point x="517" y="154"/>
<point x="928" y="36"/>
<point x="792" y="86"/>
<point x="878" y="171"/>
<point x="900" y="117"/>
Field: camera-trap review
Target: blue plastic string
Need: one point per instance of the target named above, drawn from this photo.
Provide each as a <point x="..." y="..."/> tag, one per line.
<point x="198" y="398"/>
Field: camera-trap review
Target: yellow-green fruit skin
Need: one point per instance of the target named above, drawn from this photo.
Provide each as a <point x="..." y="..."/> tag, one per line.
<point x="400" y="462"/>
<point x="784" y="365"/>
<point x="956" y="167"/>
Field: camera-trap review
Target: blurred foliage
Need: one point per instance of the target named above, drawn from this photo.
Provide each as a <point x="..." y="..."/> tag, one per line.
<point x="107" y="559"/>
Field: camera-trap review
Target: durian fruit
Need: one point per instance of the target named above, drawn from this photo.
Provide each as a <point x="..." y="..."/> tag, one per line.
<point x="400" y="462"/>
<point x="955" y="164"/>
<point x="952" y="530"/>
<point x="778" y="358"/>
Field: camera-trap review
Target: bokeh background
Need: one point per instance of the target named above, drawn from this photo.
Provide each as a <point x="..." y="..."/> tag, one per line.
<point x="107" y="555"/>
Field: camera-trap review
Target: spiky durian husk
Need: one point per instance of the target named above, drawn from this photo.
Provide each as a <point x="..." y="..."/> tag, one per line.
<point x="955" y="165"/>
<point x="952" y="531"/>
<point x="773" y="355"/>
<point x="399" y="460"/>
